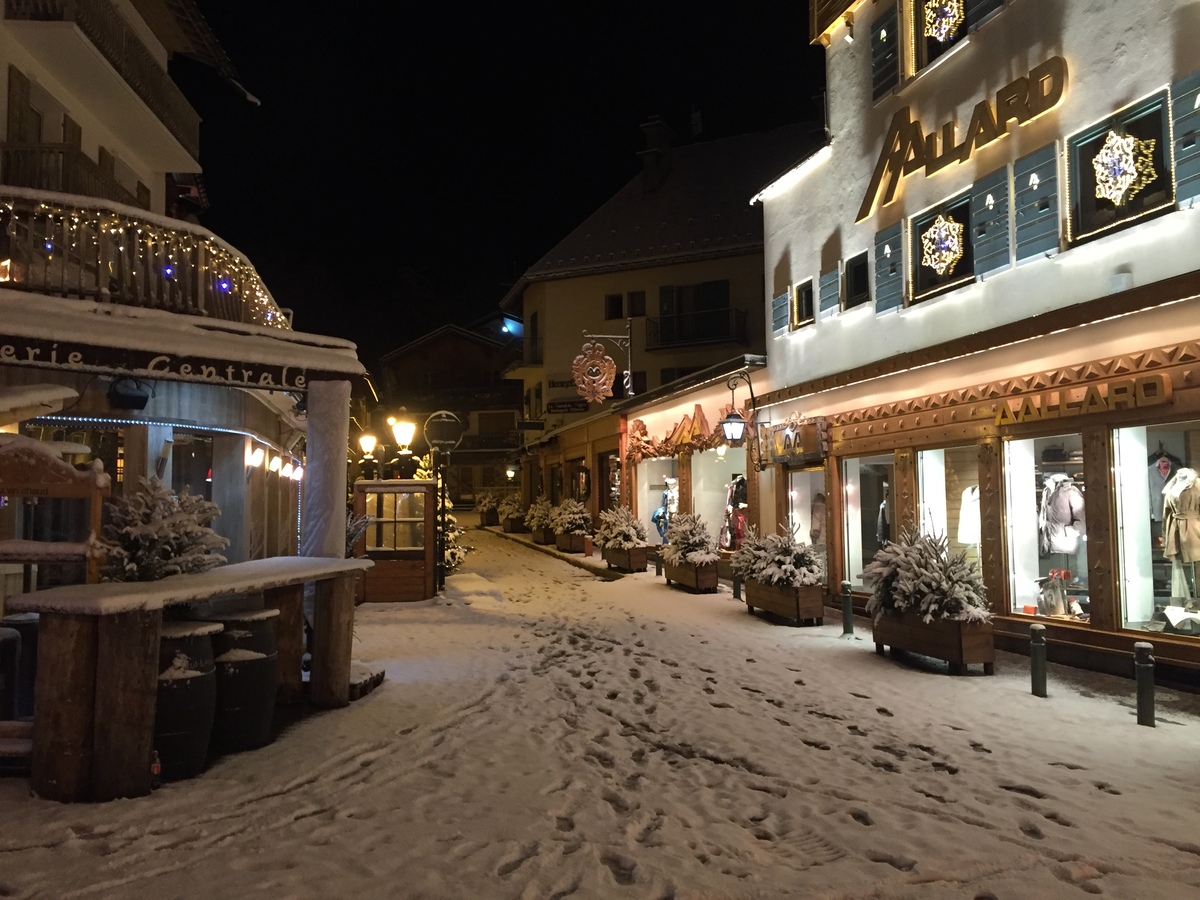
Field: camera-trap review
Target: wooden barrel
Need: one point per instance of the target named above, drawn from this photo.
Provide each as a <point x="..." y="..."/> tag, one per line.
<point x="187" y="696"/>
<point x="247" y="679"/>
<point x="27" y="625"/>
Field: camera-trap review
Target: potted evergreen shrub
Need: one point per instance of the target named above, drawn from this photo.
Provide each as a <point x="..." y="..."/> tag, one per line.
<point x="571" y="522"/>
<point x="690" y="554"/>
<point x="512" y="514"/>
<point x="486" y="502"/>
<point x="781" y="575"/>
<point x="537" y="520"/>
<point x="926" y="601"/>
<point x="622" y="540"/>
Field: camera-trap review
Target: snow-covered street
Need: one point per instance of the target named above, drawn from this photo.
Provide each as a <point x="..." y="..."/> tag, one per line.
<point x="544" y="733"/>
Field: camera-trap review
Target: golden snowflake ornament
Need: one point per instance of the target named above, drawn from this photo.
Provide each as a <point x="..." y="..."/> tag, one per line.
<point x="942" y="18"/>
<point x="942" y="245"/>
<point x="1124" y="165"/>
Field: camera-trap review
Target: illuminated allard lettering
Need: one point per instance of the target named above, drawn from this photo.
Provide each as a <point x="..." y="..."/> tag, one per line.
<point x="1129" y="393"/>
<point x="906" y="148"/>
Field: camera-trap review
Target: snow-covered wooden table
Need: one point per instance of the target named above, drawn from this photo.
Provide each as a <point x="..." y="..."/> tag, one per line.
<point x="97" y="672"/>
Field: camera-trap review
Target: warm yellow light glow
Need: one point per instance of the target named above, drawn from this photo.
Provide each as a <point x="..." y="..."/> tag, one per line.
<point x="256" y="457"/>
<point x="276" y="463"/>
<point x="286" y="471"/>
<point x="5" y="269"/>
<point x="297" y="473"/>
<point x="367" y="443"/>
<point x="403" y="432"/>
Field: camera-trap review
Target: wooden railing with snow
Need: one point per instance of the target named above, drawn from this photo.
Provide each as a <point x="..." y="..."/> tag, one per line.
<point x="97" y="672"/>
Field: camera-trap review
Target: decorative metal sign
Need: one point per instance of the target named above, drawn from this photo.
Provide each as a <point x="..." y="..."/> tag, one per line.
<point x="594" y="372"/>
<point x="907" y="148"/>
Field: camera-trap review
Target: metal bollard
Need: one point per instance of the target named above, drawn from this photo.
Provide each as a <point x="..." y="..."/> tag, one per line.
<point x="737" y="587"/>
<point x="847" y="611"/>
<point x="658" y="566"/>
<point x="1143" y="669"/>
<point x="1037" y="659"/>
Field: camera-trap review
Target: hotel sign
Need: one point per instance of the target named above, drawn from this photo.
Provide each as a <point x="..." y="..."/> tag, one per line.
<point x="907" y="148"/>
<point x="1129" y="393"/>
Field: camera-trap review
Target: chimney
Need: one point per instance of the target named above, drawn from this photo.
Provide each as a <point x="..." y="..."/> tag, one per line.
<point x="656" y="158"/>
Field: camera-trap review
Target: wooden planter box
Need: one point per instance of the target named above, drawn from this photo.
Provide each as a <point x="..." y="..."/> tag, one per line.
<point x="489" y="517"/>
<point x="514" y="525"/>
<point x="631" y="560"/>
<point x="542" y="536"/>
<point x="698" y="579"/>
<point x="802" y="602"/>
<point x="574" y="543"/>
<point x="958" y="643"/>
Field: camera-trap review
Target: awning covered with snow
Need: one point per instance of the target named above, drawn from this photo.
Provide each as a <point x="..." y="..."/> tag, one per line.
<point x="26" y="401"/>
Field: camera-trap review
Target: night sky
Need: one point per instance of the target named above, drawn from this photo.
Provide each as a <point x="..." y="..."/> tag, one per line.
<point x="410" y="160"/>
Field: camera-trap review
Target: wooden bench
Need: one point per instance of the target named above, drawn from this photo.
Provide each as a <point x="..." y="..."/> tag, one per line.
<point x="97" y="672"/>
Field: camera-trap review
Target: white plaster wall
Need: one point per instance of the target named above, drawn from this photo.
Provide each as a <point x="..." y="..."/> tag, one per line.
<point x="1117" y="51"/>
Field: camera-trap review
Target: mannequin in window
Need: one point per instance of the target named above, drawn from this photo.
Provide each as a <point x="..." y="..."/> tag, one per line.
<point x="1163" y="467"/>
<point x="670" y="506"/>
<point x="816" y="520"/>
<point x="1181" y="527"/>
<point x="1061" y="524"/>
<point x="968" y="516"/>
<point x="883" y="527"/>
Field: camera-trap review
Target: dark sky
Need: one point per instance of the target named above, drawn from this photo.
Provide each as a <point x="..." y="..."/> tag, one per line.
<point x="411" y="159"/>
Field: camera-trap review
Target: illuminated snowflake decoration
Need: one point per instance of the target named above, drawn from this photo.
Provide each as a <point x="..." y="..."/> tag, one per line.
<point x="942" y="245"/>
<point x="1123" y="167"/>
<point x="942" y="18"/>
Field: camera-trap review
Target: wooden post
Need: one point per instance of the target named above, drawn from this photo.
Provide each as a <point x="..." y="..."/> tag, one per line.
<point x="65" y="697"/>
<point x="289" y="600"/>
<point x="126" y="691"/>
<point x="333" y="634"/>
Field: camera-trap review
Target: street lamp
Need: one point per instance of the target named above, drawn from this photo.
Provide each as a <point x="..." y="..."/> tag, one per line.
<point x="367" y="442"/>
<point x="734" y="424"/>
<point x="405" y="464"/>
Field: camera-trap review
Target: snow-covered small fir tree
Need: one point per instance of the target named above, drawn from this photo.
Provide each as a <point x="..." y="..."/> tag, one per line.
<point x="154" y="533"/>
<point x="619" y="529"/>
<point x="538" y="514"/>
<point x="455" y="552"/>
<point x="918" y="573"/>
<point x="776" y="559"/>
<point x="688" y="542"/>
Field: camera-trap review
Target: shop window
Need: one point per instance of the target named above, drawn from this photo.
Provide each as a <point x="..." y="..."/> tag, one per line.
<point x="802" y="304"/>
<point x="885" y="53"/>
<point x="719" y="495"/>
<point x="1035" y="185"/>
<point x="1185" y="108"/>
<point x="807" y="509"/>
<point x="614" y="306"/>
<point x="608" y="471"/>
<point x="658" y="496"/>
<point x="989" y="219"/>
<point x="869" y="510"/>
<point x="942" y="249"/>
<point x="637" y="303"/>
<point x="779" y="312"/>
<point x="857" y="282"/>
<point x="1121" y="169"/>
<point x="889" y="269"/>
<point x="948" y="488"/>
<point x="1158" y="502"/>
<point x="1047" y="531"/>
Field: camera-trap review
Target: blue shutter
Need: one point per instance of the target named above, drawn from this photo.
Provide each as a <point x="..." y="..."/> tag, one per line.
<point x="889" y="269"/>
<point x="1035" y="199"/>
<point x="779" y="312"/>
<point x="885" y="53"/>
<point x="830" y="291"/>
<point x="1185" y="95"/>
<point x="989" y="223"/>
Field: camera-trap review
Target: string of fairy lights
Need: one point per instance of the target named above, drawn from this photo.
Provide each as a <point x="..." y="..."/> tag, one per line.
<point x="96" y="252"/>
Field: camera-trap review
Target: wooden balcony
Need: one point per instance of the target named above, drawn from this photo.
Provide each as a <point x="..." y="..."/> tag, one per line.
<point x="73" y="246"/>
<point x="105" y="28"/>
<point x="716" y="326"/>
<point x="59" y="167"/>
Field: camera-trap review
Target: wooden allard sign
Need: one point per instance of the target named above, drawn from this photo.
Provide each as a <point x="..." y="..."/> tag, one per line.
<point x="907" y="148"/>
<point x="805" y="443"/>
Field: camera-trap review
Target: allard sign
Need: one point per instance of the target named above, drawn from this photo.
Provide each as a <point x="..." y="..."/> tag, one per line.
<point x="907" y="148"/>
<point x="1129" y="393"/>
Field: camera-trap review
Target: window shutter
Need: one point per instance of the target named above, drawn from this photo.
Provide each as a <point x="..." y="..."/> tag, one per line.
<point x="779" y="312"/>
<point x="1035" y="199"/>
<point x="889" y="269"/>
<point x="885" y="53"/>
<point x="989" y="223"/>
<point x="830" y="291"/>
<point x="1185" y="95"/>
<point x="979" y="10"/>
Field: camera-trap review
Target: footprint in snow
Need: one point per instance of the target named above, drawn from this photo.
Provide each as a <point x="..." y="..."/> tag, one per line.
<point x="884" y="711"/>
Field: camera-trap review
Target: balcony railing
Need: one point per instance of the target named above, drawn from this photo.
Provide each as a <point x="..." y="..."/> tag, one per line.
<point x="59" y="167"/>
<point x="100" y="22"/>
<point x="71" y="246"/>
<point x="709" y="327"/>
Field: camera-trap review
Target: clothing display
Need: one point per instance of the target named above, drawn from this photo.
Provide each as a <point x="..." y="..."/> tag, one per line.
<point x="968" y="516"/>
<point x="1161" y="471"/>
<point x="1181" y="517"/>
<point x="733" y="528"/>
<point x="883" y="526"/>
<point x="670" y="505"/>
<point x="816" y="520"/>
<point x="1061" y="524"/>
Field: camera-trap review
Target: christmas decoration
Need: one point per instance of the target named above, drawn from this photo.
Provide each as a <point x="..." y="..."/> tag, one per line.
<point x="688" y="542"/>
<point x="776" y="559"/>
<point x="154" y="533"/>
<point x="570" y="517"/>
<point x="942" y="245"/>
<point x="1124" y="165"/>
<point x="942" y="18"/>
<point x="538" y="514"/>
<point x="918" y="574"/>
<point x="619" y="529"/>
